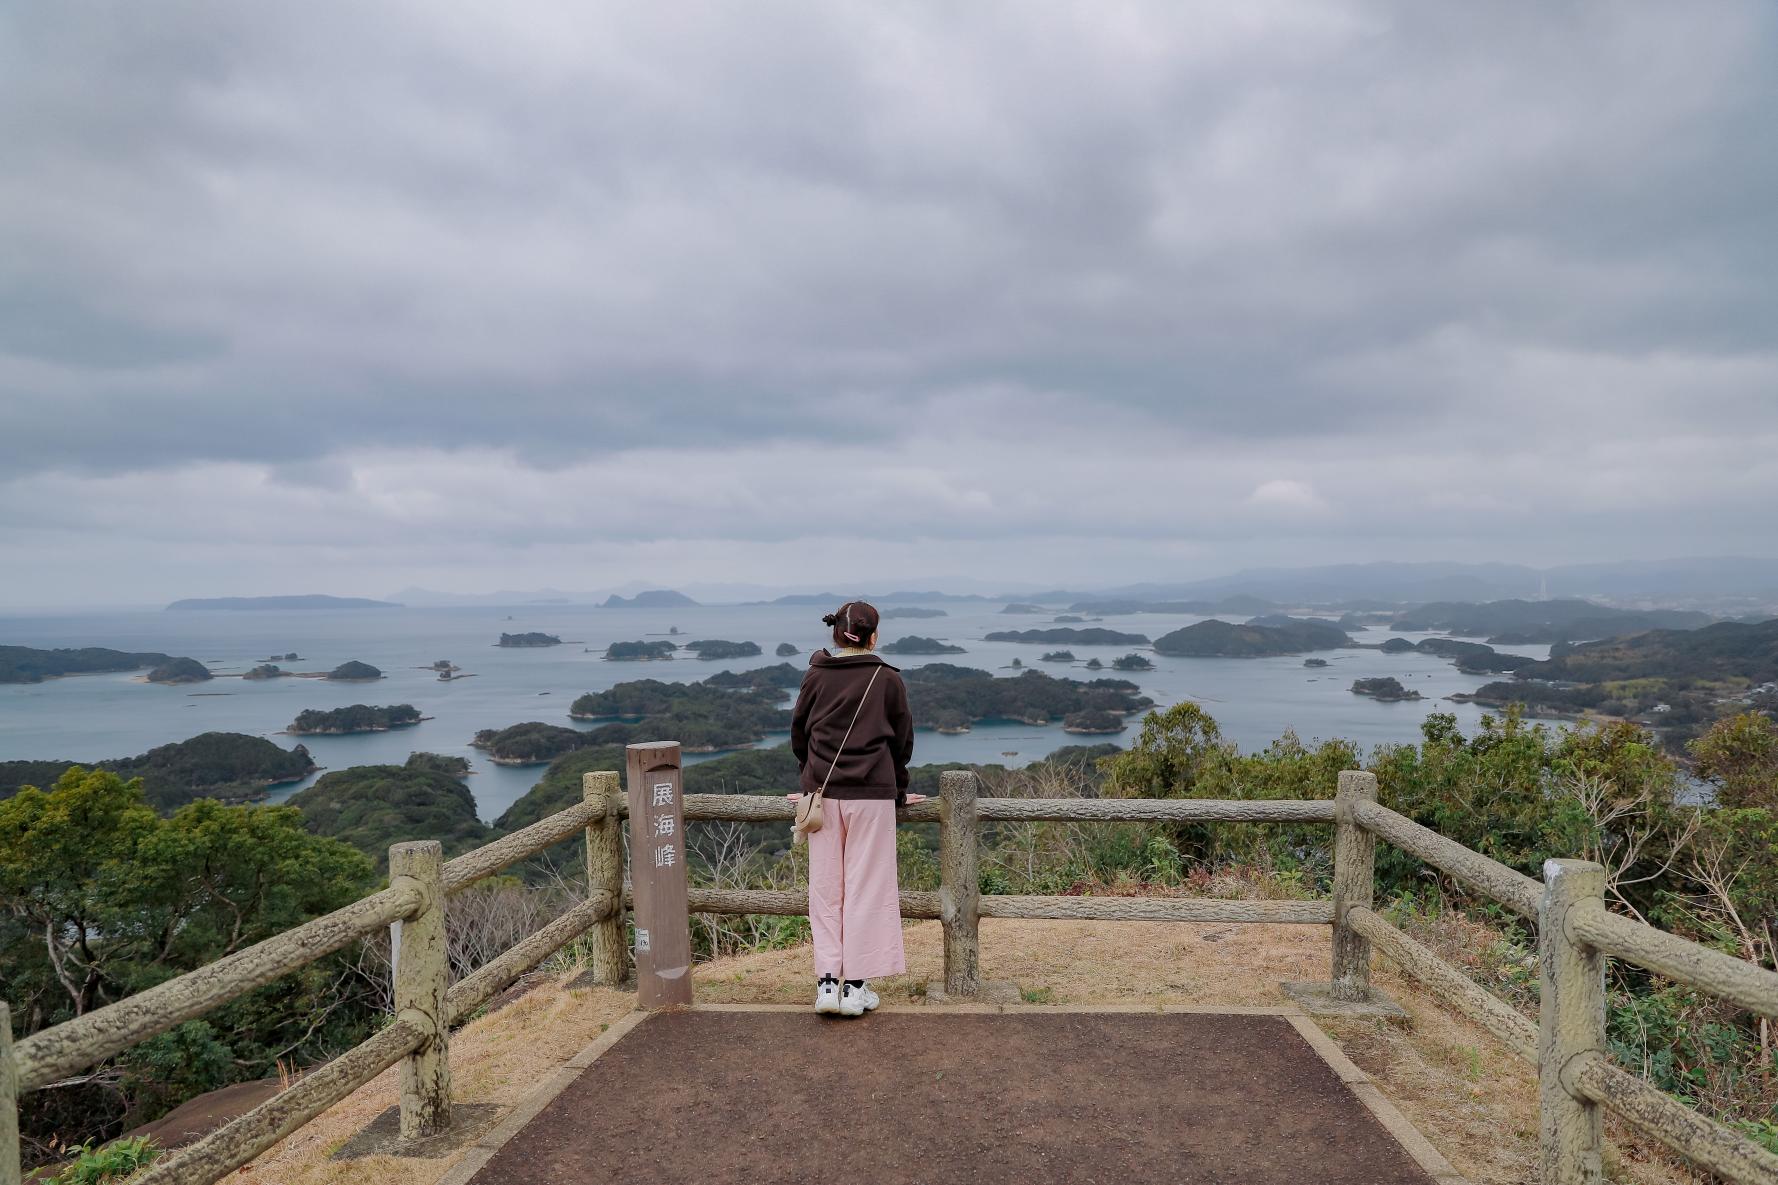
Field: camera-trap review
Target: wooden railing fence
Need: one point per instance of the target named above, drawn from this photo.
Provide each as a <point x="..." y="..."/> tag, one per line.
<point x="1576" y="934"/>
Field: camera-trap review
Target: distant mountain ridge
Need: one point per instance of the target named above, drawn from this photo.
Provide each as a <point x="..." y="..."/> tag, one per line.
<point x="308" y="601"/>
<point x="654" y="598"/>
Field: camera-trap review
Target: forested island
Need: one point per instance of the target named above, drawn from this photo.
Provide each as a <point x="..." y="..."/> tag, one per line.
<point x="911" y="611"/>
<point x="180" y="670"/>
<point x="528" y="639"/>
<point x="1519" y="623"/>
<point x="354" y="719"/>
<point x="729" y="710"/>
<point x="1280" y="635"/>
<point x="226" y="765"/>
<point x="1094" y="722"/>
<point x="533" y="742"/>
<point x="1132" y="662"/>
<point x="785" y="650"/>
<point x="1072" y="637"/>
<point x="654" y="598"/>
<point x="373" y="806"/>
<point x="951" y="698"/>
<point x="23" y="664"/>
<point x="1059" y="656"/>
<point x="719" y="650"/>
<point x="640" y="651"/>
<point x="354" y="672"/>
<point x="1024" y="607"/>
<point x="1678" y="680"/>
<point x="1386" y="688"/>
<point x="267" y="670"/>
<point x="914" y="644"/>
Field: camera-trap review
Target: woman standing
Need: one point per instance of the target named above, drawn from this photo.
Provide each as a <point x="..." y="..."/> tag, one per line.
<point x="852" y="732"/>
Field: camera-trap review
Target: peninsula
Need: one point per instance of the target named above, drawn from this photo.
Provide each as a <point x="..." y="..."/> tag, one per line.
<point x="1073" y="637"/>
<point x="354" y="719"/>
<point x="516" y="641"/>
<point x="23" y="664"/>
<point x="914" y="644"/>
<point x="1219" y="639"/>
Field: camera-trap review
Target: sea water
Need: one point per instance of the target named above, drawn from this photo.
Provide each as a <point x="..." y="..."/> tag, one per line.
<point x="88" y="717"/>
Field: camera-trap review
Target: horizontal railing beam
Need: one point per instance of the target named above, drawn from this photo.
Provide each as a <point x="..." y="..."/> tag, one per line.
<point x="228" y="1148"/>
<point x="785" y="902"/>
<point x="85" y="1041"/>
<point x="488" y="859"/>
<point x="1155" y="810"/>
<point x="476" y="989"/>
<point x="1421" y="964"/>
<point x="1655" y="1114"/>
<point x="1491" y="878"/>
<point x="1737" y="980"/>
<point x="1158" y="909"/>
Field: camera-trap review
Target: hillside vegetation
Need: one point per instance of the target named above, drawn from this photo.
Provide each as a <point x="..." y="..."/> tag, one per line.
<point x="24" y="664"/>
<point x="230" y="766"/>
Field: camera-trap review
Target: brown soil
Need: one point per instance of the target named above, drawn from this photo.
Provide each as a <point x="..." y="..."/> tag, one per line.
<point x="735" y="1098"/>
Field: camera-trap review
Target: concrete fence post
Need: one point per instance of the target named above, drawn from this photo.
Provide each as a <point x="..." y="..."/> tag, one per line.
<point x="1571" y="1025"/>
<point x="422" y="976"/>
<point x="1354" y="878"/>
<point x="9" y="1103"/>
<point x="608" y="952"/>
<point x="959" y="891"/>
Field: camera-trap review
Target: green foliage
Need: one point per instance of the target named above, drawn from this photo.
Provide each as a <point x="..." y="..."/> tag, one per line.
<point x="530" y="743"/>
<point x="1130" y="662"/>
<point x="373" y="806"/>
<point x="107" y="898"/>
<point x="354" y="718"/>
<point x="225" y="765"/>
<point x="103" y="1165"/>
<point x="1739" y="757"/>
<point x="1093" y="636"/>
<point x="1386" y="688"/>
<point x="725" y="711"/>
<point x="915" y="644"/>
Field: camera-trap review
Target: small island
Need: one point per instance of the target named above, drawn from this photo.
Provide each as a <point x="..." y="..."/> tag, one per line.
<point x="1071" y="637"/>
<point x="267" y="670"/>
<point x="1396" y="646"/>
<point x="912" y="611"/>
<point x="1095" y="722"/>
<point x="530" y="639"/>
<point x="785" y="650"/>
<point x="640" y="651"/>
<point x="354" y="672"/>
<point x="654" y="598"/>
<point x="914" y="644"/>
<point x="1095" y="664"/>
<point x="1024" y="607"/>
<point x="717" y="649"/>
<point x="354" y="719"/>
<point x="729" y="710"/>
<point x="951" y="698"/>
<point x="180" y="670"/>
<point x="293" y="656"/>
<point x="1219" y="639"/>
<point x="1386" y="688"/>
<point x="1132" y="662"/>
<point x="1314" y="662"/>
<point x="1068" y="619"/>
<point x="530" y="743"/>
<point x="1059" y="656"/>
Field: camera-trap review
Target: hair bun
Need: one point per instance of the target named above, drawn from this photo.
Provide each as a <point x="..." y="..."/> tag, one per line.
<point x="830" y="619"/>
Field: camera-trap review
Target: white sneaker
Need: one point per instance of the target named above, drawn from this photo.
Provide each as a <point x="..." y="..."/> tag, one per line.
<point x="827" y="996"/>
<point x="856" y="1001"/>
<point x="870" y="998"/>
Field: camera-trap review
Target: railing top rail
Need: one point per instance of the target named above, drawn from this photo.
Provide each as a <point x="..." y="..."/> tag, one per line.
<point x="485" y="861"/>
<point x="1737" y="980"/>
<point x="1511" y="888"/>
<point x="769" y="808"/>
<point x="74" y="1045"/>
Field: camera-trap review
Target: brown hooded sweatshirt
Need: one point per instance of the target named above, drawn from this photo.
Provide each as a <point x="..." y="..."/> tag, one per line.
<point x="875" y="761"/>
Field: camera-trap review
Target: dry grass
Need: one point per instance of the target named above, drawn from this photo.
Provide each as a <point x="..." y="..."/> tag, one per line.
<point x="1473" y="1098"/>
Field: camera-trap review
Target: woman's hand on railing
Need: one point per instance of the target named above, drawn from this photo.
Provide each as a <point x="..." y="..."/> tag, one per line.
<point x="910" y="799"/>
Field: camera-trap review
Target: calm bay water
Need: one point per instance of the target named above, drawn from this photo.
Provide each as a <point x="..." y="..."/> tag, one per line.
<point x="98" y="716"/>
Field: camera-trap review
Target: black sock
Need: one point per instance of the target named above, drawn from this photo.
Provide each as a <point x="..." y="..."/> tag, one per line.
<point x="826" y="979"/>
<point x="855" y="983"/>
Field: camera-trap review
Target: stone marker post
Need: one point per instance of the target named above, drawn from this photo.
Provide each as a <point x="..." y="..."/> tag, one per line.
<point x="657" y="874"/>
<point x="422" y="975"/>
<point x="959" y="891"/>
<point x="1355" y="861"/>
<point x="1571" y="1023"/>
<point x="9" y="1102"/>
<point x="605" y="870"/>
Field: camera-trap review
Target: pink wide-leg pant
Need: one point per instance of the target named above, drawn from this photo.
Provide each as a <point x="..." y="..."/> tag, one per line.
<point x="854" y="900"/>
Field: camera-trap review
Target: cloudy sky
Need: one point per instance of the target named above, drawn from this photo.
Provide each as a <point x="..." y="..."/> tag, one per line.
<point x="346" y="297"/>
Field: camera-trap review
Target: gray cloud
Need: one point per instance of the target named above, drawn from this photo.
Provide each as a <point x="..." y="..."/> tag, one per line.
<point x="430" y="274"/>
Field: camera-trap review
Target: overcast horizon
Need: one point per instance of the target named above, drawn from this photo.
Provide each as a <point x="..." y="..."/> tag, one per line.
<point x="353" y="298"/>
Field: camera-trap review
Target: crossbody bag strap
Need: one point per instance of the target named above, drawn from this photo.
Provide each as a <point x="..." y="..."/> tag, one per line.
<point x="855" y="714"/>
